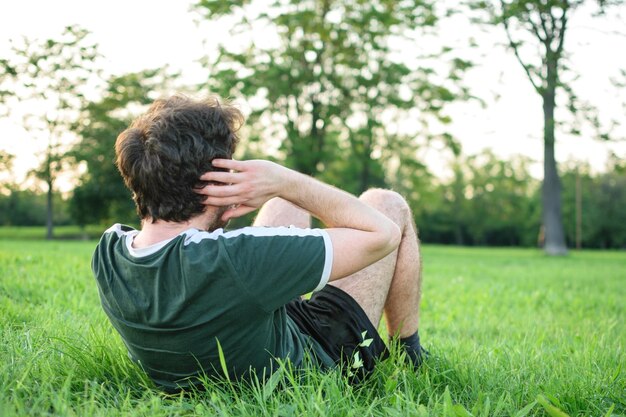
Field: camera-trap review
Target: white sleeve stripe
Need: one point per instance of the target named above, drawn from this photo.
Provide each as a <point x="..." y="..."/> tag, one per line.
<point x="196" y="236"/>
<point x="328" y="262"/>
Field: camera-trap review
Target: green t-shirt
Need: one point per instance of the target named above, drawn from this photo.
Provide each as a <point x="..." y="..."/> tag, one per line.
<point x="171" y="302"/>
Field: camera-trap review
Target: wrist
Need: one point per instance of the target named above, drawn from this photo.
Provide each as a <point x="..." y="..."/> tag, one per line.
<point x="287" y="183"/>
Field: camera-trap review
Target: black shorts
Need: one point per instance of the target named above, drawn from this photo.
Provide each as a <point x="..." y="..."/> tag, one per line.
<point x="337" y="322"/>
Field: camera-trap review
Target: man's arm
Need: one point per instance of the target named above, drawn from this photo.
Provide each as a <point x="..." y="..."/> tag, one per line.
<point x="360" y="234"/>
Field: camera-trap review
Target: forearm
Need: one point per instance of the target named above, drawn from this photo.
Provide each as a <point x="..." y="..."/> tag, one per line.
<point x="334" y="207"/>
<point x="360" y="234"/>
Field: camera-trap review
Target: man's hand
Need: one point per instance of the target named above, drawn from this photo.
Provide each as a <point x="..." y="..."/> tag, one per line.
<point x="360" y="235"/>
<point x="247" y="186"/>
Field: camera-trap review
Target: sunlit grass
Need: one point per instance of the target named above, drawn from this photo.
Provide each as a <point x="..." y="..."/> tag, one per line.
<point x="59" y="232"/>
<point x="511" y="333"/>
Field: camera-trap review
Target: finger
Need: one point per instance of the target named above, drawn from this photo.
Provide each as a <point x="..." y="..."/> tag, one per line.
<point x="213" y="190"/>
<point x="219" y="176"/>
<point x="228" y="164"/>
<point x="223" y="201"/>
<point x="235" y="212"/>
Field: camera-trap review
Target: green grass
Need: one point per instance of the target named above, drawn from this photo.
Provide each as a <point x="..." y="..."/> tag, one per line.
<point x="59" y="232"/>
<point x="511" y="332"/>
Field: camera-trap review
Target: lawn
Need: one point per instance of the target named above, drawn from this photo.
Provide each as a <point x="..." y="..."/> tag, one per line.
<point x="511" y="333"/>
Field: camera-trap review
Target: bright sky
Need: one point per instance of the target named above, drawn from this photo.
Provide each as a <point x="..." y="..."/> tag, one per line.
<point x="139" y="34"/>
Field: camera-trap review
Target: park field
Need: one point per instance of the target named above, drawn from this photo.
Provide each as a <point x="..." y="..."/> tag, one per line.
<point x="511" y="333"/>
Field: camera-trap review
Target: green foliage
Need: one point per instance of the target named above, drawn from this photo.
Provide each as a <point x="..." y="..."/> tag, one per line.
<point x="6" y="160"/>
<point x="487" y="201"/>
<point x="6" y="165"/>
<point x="511" y="333"/>
<point x="329" y="91"/>
<point x="602" y="202"/>
<point x="50" y="77"/>
<point x="53" y="74"/>
<point x="27" y="207"/>
<point x="7" y="72"/>
<point x="101" y="196"/>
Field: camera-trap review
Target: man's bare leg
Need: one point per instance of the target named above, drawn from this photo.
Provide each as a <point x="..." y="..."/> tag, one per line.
<point x="404" y="296"/>
<point x="278" y="212"/>
<point x="393" y="284"/>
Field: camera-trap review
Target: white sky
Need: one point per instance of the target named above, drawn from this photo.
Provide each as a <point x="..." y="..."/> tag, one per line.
<point x="139" y="34"/>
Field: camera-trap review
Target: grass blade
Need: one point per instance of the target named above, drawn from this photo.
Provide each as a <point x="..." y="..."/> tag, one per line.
<point x="524" y="411"/>
<point x="550" y="409"/>
<point x="220" y="352"/>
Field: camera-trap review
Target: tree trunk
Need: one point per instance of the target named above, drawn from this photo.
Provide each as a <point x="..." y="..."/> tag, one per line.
<point x="551" y="189"/>
<point x="49" y="224"/>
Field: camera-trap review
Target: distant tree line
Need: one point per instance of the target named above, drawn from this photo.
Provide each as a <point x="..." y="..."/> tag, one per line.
<point x="487" y="201"/>
<point x="28" y="208"/>
<point x="495" y="202"/>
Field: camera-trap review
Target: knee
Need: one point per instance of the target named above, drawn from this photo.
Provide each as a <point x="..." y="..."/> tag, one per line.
<point x="388" y="202"/>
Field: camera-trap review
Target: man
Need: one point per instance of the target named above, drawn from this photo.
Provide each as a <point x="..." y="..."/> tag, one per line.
<point x="184" y="294"/>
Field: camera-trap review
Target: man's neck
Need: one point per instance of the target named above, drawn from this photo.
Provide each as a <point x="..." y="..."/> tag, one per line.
<point x="152" y="233"/>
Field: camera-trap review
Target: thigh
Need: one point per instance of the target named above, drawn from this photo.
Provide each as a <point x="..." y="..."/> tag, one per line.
<point x="369" y="287"/>
<point x="278" y="212"/>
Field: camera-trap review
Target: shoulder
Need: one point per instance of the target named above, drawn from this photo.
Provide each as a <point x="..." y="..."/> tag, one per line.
<point x="118" y="230"/>
<point x="115" y="233"/>
<point x="108" y="245"/>
<point x="112" y="241"/>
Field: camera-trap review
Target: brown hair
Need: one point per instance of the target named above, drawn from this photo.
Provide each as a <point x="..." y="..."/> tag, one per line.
<point x="163" y="153"/>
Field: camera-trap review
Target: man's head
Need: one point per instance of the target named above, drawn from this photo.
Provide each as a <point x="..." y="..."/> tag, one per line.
<point x="163" y="153"/>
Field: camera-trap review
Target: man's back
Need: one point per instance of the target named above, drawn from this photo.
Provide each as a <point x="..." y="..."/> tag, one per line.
<point x="171" y="302"/>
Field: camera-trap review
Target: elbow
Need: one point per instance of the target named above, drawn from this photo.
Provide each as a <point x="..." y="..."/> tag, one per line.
<point x="388" y="237"/>
<point x="396" y="237"/>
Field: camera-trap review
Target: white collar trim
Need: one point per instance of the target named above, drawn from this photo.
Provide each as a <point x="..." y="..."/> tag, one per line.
<point x="148" y="250"/>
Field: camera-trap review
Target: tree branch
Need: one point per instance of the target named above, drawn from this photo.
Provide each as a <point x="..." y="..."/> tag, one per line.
<point x="543" y="21"/>
<point x="562" y="29"/>
<point x="553" y="20"/>
<point x="513" y="45"/>
<point x="535" y="30"/>
<point x="547" y="41"/>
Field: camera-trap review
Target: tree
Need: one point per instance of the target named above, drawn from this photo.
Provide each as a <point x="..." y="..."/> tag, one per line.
<point x="101" y="195"/>
<point x="332" y="88"/>
<point x="6" y="165"/>
<point x="49" y="80"/>
<point x="536" y="31"/>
